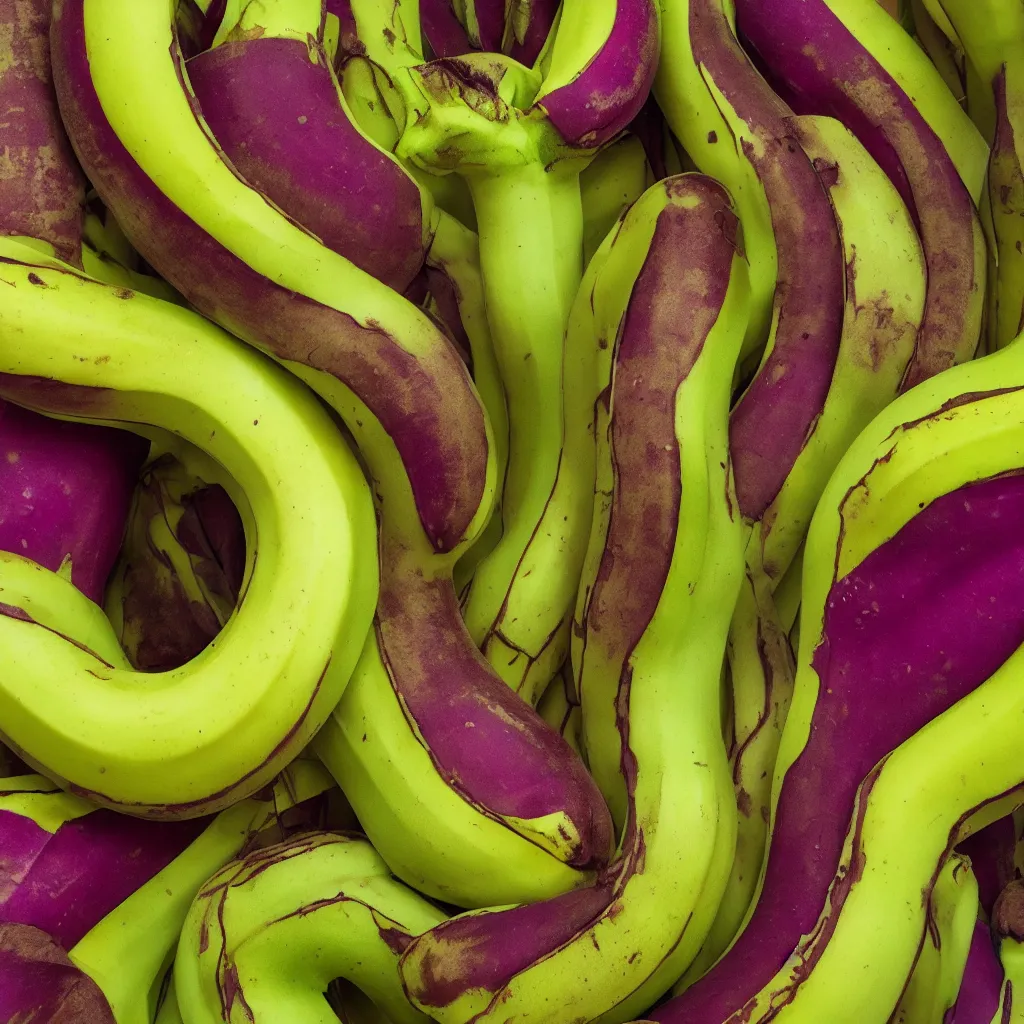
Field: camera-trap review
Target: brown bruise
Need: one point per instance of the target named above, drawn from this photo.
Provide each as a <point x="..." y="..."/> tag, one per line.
<point x="42" y="191"/>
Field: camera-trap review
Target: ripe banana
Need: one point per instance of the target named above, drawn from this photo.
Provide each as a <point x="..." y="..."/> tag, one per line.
<point x="615" y="179"/>
<point x="521" y="138"/>
<point x="850" y="59"/>
<point x="673" y="294"/>
<point x="407" y="400"/>
<point x="907" y="543"/>
<point x="269" y="932"/>
<point x="191" y="741"/>
<point x="884" y="299"/>
<point x="951" y="915"/>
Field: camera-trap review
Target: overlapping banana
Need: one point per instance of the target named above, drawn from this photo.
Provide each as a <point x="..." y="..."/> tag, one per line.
<point x="668" y="290"/>
<point x="268" y="933"/>
<point x="425" y="725"/>
<point x="95" y="900"/>
<point x="520" y="137"/>
<point x="851" y="60"/>
<point x="917" y="533"/>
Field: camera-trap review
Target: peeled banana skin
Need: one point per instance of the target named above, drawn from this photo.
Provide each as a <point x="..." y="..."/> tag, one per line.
<point x="920" y="489"/>
<point x="830" y="57"/>
<point x="672" y="291"/>
<point x="407" y="400"/>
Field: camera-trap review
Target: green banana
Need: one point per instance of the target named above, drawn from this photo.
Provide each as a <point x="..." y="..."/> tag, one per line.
<point x="944" y="52"/>
<point x="893" y="566"/>
<point x="197" y="739"/>
<point x="884" y="301"/>
<point x="407" y="399"/>
<point x="1008" y="932"/>
<point x="850" y="59"/>
<point x="672" y="292"/>
<point x="179" y="576"/>
<point x="932" y="989"/>
<point x="114" y="891"/>
<point x="269" y="932"/>
<point x="699" y="87"/>
<point x="520" y="137"/>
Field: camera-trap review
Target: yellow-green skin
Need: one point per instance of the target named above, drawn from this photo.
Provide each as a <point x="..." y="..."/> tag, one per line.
<point x="197" y="739"/>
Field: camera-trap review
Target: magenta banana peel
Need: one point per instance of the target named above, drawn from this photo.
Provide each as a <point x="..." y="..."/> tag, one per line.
<point x="93" y="901"/>
<point x="520" y="137"/>
<point x="669" y="286"/>
<point x="840" y="57"/>
<point x="407" y="399"/>
<point x="893" y="561"/>
<point x="453" y="28"/>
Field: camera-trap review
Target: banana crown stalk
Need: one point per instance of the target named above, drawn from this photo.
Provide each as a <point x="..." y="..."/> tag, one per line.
<point x="269" y="932"/>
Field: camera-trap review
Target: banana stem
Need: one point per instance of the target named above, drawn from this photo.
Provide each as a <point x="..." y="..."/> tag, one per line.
<point x="530" y="222"/>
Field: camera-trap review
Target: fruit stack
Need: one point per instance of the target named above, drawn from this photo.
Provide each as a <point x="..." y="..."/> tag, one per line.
<point x="511" y="511"/>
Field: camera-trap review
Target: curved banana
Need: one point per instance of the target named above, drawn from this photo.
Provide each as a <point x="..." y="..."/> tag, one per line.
<point x="111" y="892"/>
<point x="405" y="396"/>
<point x="673" y="293"/>
<point x="884" y="300"/>
<point x="520" y="138"/>
<point x="610" y="184"/>
<point x="190" y="741"/>
<point x="941" y="962"/>
<point x="269" y="932"/>
<point x="916" y="534"/>
<point x="850" y="59"/>
<point x="945" y="53"/>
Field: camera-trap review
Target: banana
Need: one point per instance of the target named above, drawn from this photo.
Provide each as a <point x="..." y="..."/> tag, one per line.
<point x="944" y="52"/>
<point x="850" y="59"/>
<point x="455" y="27"/>
<point x="269" y="932"/>
<point x="951" y="915"/>
<point x="113" y="891"/>
<point x="560" y="708"/>
<point x="705" y="86"/>
<point x="305" y="152"/>
<point x="981" y="988"/>
<point x="991" y="34"/>
<point x="1008" y="930"/>
<point x="615" y="180"/>
<point x="163" y="749"/>
<point x="406" y="397"/>
<point x="884" y="300"/>
<point x="180" y="572"/>
<point x="919" y="501"/>
<point x="520" y="138"/>
<point x="673" y="293"/>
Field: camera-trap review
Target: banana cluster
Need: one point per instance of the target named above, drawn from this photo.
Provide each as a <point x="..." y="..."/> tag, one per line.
<point x="511" y="511"/>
